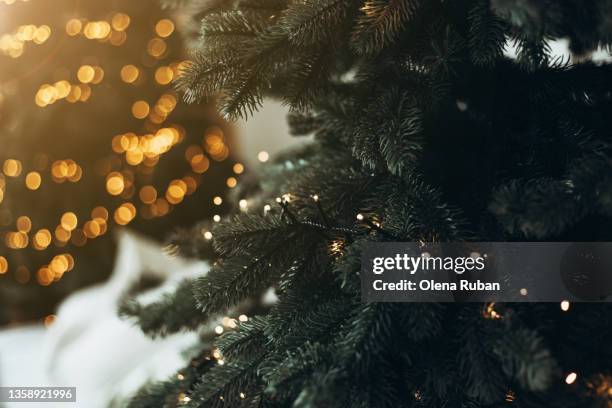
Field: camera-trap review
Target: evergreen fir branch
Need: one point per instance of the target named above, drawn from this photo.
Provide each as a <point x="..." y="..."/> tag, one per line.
<point x="311" y="72"/>
<point x="533" y="52"/>
<point x="157" y="394"/>
<point x="400" y="136"/>
<point x="227" y="29"/>
<point x="367" y="332"/>
<point x="380" y="24"/>
<point x="246" y="341"/>
<point x="313" y="22"/>
<point x="225" y="385"/>
<point x="289" y="374"/>
<point x="206" y="76"/>
<point x="241" y="97"/>
<point x="421" y="321"/>
<point x="487" y="35"/>
<point x="416" y="212"/>
<point x="265" y="7"/>
<point x="525" y="357"/>
<point x="303" y="123"/>
<point x="173" y="312"/>
<point x="235" y="279"/>
<point x="537" y="208"/>
<point x="251" y="234"/>
<point x="477" y="356"/>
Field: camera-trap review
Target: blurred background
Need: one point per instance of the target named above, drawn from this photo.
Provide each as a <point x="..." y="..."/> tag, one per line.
<point x="94" y="138"/>
<point x="100" y="163"/>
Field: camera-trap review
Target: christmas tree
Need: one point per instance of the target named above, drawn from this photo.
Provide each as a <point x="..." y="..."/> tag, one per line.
<point x="95" y="138"/>
<point x="424" y="130"/>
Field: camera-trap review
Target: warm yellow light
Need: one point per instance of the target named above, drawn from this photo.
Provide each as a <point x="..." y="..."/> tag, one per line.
<point x="3" y="265"/>
<point x="238" y="168"/>
<point x="156" y="47"/>
<point x="164" y="28"/>
<point x="12" y="168"/>
<point x="140" y="109"/>
<point x="199" y="163"/>
<point x="33" y="180"/>
<point x="42" y="238"/>
<point x="42" y="34"/>
<point x="148" y="194"/>
<point x="99" y="212"/>
<point x="73" y="27"/>
<point x="217" y="200"/>
<point x="125" y="213"/>
<point x="86" y="74"/>
<point x="92" y="229"/>
<point x="129" y="73"/>
<point x="24" y="224"/>
<point x="120" y="21"/>
<point x="115" y="183"/>
<point x="98" y="75"/>
<point x="571" y="378"/>
<point x="69" y="221"/>
<point x="231" y="182"/>
<point x="164" y="75"/>
<point x="62" y="234"/>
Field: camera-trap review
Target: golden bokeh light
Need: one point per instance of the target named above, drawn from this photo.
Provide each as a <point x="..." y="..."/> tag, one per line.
<point x="140" y="109"/>
<point x="199" y="163"/>
<point x="12" y="168"/>
<point x="33" y="180"/>
<point x="129" y="73"/>
<point x="42" y="34"/>
<point x="231" y="182"/>
<point x="148" y="194"/>
<point x="238" y="168"/>
<point x="86" y="74"/>
<point x="3" y="265"/>
<point x="120" y="21"/>
<point x="62" y="234"/>
<point x="176" y="191"/>
<point x="115" y="183"/>
<point x="73" y="27"/>
<point x="157" y="47"/>
<point x="125" y="213"/>
<point x="69" y="221"/>
<point x="164" y="28"/>
<point x="24" y="224"/>
<point x="164" y="75"/>
<point x="42" y="239"/>
<point x="99" y="212"/>
<point x="217" y="200"/>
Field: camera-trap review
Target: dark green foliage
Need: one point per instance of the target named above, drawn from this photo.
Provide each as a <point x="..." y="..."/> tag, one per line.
<point x="424" y="127"/>
<point x="174" y="312"/>
<point x="380" y="23"/>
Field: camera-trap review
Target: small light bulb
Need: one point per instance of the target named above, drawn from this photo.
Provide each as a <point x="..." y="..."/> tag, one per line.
<point x="571" y="378"/>
<point x="565" y="305"/>
<point x="219" y="329"/>
<point x="216" y="218"/>
<point x="315" y="197"/>
<point x="208" y="235"/>
<point x="360" y="217"/>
